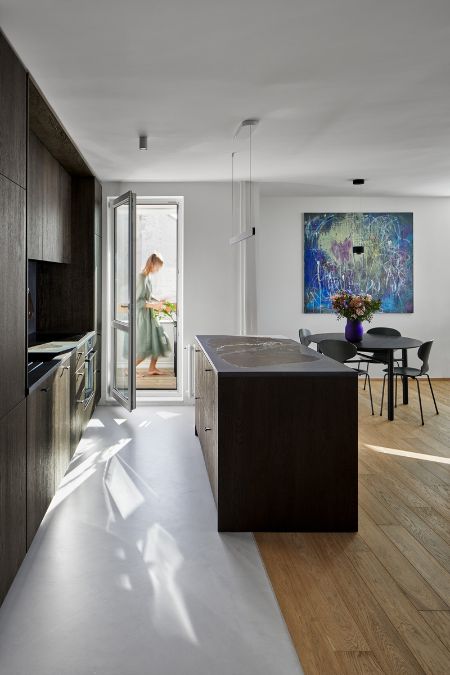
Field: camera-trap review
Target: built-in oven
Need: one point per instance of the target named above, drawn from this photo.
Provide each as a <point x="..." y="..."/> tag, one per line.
<point x="90" y="367"/>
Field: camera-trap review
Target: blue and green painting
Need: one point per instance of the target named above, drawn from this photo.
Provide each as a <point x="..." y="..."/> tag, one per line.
<point x="384" y="269"/>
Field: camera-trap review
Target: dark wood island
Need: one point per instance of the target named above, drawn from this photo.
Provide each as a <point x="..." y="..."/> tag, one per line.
<point x="278" y="427"/>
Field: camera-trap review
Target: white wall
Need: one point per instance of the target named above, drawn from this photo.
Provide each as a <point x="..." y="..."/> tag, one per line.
<point x="208" y="284"/>
<point x="280" y="269"/>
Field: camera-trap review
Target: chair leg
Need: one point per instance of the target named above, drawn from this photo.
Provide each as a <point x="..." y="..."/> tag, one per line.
<point x="396" y="387"/>
<point x="420" y="401"/>
<point x="382" y="396"/>
<point x="367" y="375"/>
<point x="432" y="393"/>
<point x="370" y="392"/>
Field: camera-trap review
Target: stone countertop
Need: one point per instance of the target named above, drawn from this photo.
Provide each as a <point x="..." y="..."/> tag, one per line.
<point x="249" y="355"/>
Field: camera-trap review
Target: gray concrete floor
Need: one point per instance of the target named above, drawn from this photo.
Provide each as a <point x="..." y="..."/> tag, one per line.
<point x="127" y="574"/>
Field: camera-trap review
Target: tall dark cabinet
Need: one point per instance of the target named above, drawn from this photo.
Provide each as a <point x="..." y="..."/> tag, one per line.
<point x="13" y="115"/>
<point x="50" y="215"/>
<point x="13" y="506"/>
<point x="13" y="143"/>
<point x="12" y="294"/>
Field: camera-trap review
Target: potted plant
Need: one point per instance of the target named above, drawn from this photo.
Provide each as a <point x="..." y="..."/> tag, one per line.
<point x="356" y="309"/>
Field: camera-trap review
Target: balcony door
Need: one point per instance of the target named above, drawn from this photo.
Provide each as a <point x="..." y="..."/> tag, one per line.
<point x="123" y="323"/>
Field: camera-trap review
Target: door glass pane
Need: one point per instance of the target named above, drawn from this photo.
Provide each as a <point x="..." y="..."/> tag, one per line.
<point x="121" y="263"/>
<point x="121" y="377"/>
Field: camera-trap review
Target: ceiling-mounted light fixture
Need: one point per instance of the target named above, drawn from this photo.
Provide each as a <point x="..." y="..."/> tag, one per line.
<point x="246" y="127"/>
<point x="143" y="143"/>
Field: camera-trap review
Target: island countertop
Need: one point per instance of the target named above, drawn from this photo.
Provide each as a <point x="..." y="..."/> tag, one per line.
<point x="251" y="356"/>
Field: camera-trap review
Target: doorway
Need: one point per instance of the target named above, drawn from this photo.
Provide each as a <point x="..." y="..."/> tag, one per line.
<point x="157" y="233"/>
<point x="145" y="302"/>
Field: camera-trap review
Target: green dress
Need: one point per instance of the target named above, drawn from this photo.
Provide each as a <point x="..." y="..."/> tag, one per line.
<point x="151" y="340"/>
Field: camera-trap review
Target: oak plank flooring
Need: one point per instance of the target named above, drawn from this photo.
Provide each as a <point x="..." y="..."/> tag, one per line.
<point x="377" y="601"/>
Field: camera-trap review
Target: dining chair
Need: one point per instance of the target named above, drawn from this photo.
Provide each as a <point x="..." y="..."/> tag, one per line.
<point x="303" y="335"/>
<point x="423" y="354"/>
<point x="380" y="357"/>
<point x="344" y="352"/>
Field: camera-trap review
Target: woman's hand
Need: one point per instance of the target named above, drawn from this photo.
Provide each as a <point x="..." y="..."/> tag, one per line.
<point x="155" y="305"/>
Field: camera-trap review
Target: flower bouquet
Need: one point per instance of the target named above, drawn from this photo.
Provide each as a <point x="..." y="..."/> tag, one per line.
<point x="356" y="309"/>
<point x="169" y="310"/>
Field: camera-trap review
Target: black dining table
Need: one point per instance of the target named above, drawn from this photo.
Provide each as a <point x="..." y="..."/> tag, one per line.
<point x="379" y="343"/>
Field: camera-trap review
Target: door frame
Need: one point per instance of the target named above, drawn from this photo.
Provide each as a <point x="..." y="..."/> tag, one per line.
<point x="177" y="395"/>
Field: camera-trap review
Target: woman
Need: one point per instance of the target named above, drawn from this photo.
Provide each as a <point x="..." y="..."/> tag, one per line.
<point x="151" y="339"/>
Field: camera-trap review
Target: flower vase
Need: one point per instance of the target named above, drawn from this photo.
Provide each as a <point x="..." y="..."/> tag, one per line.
<point x="354" y="330"/>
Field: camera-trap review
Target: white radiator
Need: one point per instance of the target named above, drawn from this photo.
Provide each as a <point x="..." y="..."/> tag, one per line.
<point x="190" y="379"/>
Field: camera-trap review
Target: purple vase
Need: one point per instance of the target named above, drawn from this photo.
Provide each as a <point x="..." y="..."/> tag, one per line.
<point x="354" y="330"/>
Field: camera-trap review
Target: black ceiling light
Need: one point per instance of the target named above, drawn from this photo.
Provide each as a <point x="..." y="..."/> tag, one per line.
<point x="358" y="181"/>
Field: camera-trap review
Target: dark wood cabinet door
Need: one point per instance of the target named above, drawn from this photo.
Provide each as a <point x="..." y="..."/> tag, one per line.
<point x="40" y="456"/>
<point x="49" y="206"/>
<point x="61" y="421"/>
<point x="12" y="294"/>
<point x="51" y="230"/>
<point x="13" y="116"/>
<point x="35" y="197"/>
<point x="12" y="494"/>
<point x="65" y="214"/>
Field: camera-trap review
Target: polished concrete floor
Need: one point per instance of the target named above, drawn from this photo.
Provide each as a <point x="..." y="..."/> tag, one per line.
<point x="127" y="574"/>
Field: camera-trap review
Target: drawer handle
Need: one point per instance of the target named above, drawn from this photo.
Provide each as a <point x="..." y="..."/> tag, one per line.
<point x="207" y="428"/>
<point x="44" y="389"/>
<point x="197" y="351"/>
<point x="197" y="398"/>
<point x="208" y="370"/>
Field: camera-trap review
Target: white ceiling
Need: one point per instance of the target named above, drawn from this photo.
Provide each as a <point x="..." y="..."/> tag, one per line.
<point x="344" y="88"/>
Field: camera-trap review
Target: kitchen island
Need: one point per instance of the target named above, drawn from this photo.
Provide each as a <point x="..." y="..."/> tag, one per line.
<point x="278" y="427"/>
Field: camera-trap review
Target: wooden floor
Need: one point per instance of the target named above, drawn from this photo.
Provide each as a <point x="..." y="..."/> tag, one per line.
<point x="378" y="601"/>
<point x="165" y="381"/>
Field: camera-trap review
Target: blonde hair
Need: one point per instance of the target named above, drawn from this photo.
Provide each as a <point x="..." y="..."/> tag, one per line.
<point x="154" y="259"/>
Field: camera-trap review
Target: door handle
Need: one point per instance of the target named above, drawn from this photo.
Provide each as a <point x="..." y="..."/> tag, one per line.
<point x="207" y="428"/>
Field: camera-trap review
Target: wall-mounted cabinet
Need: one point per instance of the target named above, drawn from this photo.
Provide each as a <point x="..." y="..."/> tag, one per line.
<point x="13" y="115"/>
<point x="49" y="205"/>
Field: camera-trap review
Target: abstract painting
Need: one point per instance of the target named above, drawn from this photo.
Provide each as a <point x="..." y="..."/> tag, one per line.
<point x="332" y="262"/>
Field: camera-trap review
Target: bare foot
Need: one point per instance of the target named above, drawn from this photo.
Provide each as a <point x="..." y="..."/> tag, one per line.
<point x="155" y="371"/>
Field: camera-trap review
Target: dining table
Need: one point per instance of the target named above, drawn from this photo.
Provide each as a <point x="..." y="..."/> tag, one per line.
<point x="373" y="343"/>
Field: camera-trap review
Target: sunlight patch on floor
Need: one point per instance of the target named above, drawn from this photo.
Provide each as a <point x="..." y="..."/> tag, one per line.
<point x="408" y="453"/>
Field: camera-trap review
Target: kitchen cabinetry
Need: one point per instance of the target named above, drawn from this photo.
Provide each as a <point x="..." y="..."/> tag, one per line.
<point x="12" y="494"/>
<point x="40" y="457"/>
<point x="205" y="415"/>
<point x="268" y="418"/>
<point x="49" y="206"/>
<point x="61" y="420"/>
<point x="13" y="115"/>
<point x="12" y="294"/>
<point x="48" y="442"/>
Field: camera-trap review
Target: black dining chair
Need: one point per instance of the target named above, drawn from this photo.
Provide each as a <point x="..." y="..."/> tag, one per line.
<point x="380" y="357"/>
<point x="303" y="335"/>
<point x="344" y="352"/>
<point x="414" y="373"/>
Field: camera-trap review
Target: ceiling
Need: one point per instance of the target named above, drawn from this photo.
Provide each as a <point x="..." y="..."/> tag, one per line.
<point x="347" y="88"/>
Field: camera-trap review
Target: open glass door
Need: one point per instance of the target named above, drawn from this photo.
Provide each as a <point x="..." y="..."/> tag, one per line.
<point x="123" y="342"/>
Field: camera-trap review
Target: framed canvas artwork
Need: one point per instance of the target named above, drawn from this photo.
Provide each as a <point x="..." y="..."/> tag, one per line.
<point x="360" y="252"/>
